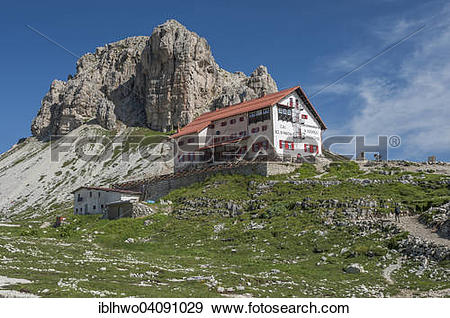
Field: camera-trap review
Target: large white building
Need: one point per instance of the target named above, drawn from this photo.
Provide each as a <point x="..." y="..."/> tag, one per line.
<point x="280" y="126"/>
<point x="92" y="200"/>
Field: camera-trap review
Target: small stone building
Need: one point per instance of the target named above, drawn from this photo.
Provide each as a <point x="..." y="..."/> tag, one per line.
<point x="93" y="200"/>
<point x="123" y="209"/>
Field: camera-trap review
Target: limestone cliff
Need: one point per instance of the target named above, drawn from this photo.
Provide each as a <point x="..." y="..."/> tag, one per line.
<point x="160" y="82"/>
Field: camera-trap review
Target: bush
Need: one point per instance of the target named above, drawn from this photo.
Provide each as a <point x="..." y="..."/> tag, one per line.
<point x="393" y="242"/>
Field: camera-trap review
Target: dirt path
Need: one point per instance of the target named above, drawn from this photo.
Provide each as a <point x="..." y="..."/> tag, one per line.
<point x="415" y="228"/>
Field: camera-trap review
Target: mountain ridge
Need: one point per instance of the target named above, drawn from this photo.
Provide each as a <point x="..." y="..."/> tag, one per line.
<point x="160" y="81"/>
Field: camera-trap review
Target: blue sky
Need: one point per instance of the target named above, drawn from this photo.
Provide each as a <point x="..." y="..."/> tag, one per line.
<point x="403" y="92"/>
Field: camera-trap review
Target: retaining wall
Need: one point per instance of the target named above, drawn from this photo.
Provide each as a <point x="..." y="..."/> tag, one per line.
<point x="157" y="187"/>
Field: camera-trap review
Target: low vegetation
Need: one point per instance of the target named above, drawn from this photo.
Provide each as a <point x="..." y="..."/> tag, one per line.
<point x="279" y="243"/>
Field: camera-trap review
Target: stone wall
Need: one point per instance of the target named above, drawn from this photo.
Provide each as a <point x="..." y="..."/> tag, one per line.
<point x="127" y="209"/>
<point x="157" y="187"/>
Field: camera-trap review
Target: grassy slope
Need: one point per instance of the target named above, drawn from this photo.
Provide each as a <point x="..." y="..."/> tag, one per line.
<point x="194" y="253"/>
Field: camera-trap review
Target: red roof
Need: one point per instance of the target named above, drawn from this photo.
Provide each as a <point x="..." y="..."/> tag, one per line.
<point x="205" y="119"/>
<point x="108" y="190"/>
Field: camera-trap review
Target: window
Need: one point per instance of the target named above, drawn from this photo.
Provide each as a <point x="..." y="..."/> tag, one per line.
<point x="266" y="114"/>
<point x="289" y="145"/>
<point x="81" y="209"/>
<point x="211" y="126"/>
<point x="241" y="118"/>
<point x="224" y="123"/>
<point x="99" y="194"/>
<point x="217" y="132"/>
<point x="102" y="206"/>
<point x="242" y="133"/>
<point x="264" y="128"/>
<point x="311" y="148"/>
<point x="296" y="104"/>
<point x="76" y="210"/>
<point x="232" y="121"/>
<point x="259" y="115"/>
<point x="291" y="101"/>
<point x="284" y="114"/>
<point x="255" y="130"/>
<point x="216" y="139"/>
<point x="94" y="207"/>
<point x="181" y="143"/>
<point x="190" y="140"/>
<point x="304" y="116"/>
<point x="255" y="147"/>
<point x="90" y="194"/>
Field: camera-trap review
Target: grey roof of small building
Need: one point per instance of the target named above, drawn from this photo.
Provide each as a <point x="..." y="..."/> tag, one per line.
<point x="108" y="190"/>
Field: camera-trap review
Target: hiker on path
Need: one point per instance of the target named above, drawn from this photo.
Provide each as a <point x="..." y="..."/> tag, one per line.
<point x="397" y="213"/>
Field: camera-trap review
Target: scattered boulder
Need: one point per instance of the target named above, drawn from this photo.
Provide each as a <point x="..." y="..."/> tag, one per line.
<point x="354" y="268"/>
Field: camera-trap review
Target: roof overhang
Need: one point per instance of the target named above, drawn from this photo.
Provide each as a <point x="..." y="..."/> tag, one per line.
<point x="269" y="100"/>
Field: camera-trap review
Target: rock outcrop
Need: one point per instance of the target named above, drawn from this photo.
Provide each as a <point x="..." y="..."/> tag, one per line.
<point x="161" y="82"/>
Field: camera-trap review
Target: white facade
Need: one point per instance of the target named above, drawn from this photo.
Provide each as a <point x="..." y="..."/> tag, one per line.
<point x="288" y="128"/>
<point x="94" y="200"/>
<point x="304" y="130"/>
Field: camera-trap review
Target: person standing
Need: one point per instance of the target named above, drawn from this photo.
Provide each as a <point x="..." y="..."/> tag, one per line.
<point x="397" y="213"/>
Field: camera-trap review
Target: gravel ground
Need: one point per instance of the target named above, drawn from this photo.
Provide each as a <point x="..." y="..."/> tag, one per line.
<point x="415" y="228"/>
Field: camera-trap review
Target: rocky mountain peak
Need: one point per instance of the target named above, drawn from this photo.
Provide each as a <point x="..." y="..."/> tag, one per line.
<point x="161" y="82"/>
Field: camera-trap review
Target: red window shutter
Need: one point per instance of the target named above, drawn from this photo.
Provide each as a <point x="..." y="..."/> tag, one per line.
<point x="311" y="148"/>
<point x="306" y="147"/>
<point x="292" y="145"/>
<point x="304" y="116"/>
<point x="286" y="144"/>
<point x="281" y="144"/>
<point x="291" y="102"/>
